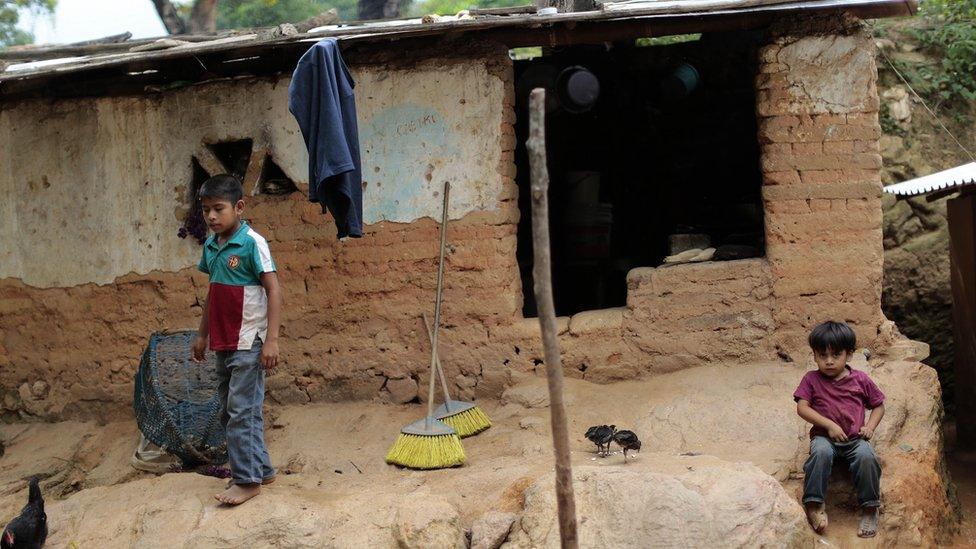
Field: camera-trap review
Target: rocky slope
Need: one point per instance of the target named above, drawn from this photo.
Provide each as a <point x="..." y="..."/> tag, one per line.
<point x="723" y="451"/>
<point x="916" y="240"/>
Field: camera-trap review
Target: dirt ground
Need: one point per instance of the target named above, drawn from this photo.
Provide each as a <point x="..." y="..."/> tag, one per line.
<point x="330" y="459"/>
<point x="962" y="467"/>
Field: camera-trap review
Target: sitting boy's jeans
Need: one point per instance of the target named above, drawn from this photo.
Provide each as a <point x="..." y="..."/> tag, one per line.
<point x="241" y="391"/>
<point x="861" y="461"/>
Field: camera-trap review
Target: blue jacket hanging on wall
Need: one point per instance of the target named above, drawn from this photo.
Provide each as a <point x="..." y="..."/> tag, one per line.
<point x="322" y="99"/>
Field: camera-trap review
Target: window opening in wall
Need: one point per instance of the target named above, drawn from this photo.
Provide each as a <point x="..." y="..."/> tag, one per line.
<point x="253" y="166"/>
<point x="273" y="179"/>
<point x="235" y="155"/>
<point x="193" y="223"/>
<point x="652" y="150"/>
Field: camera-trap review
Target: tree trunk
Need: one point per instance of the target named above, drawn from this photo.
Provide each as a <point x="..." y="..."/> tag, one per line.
<point x="566" y="6"/>
<point x="379" y="9"/>
<point x="542" y="276"/>
<point x="203" y="18"/>
<point x="167" y="14"/>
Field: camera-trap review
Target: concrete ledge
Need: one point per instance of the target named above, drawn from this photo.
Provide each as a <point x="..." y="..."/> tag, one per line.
<point x="599" y="322"/>
<point x="837" y="190"/>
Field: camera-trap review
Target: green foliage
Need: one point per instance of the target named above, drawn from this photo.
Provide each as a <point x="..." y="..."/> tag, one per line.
<point x="888" y="124"/>
<point x="522" y="54"/>
<point x="451" y="7"/>
<point x="952" y="34"/>
<point x="666" y="40"/>
<point x="268" y="13"/>
<point x="10" y="35"/>
<point x="951" y="11"/>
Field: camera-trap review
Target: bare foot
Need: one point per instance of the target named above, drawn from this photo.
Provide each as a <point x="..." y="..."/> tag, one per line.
<point x="238" y="493"/>
<point x="264" y="482"/>
<point x="817" y="516"/>
<point x="869" y="523"/>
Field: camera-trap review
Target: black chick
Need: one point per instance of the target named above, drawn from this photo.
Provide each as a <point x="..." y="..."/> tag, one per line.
<point x="29" y="530"/>
<point x="601" y="435"/>
<point x="627" y="440"/>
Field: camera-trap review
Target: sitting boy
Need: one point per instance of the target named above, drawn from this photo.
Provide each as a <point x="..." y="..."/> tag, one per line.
<point x="834" y="398"/>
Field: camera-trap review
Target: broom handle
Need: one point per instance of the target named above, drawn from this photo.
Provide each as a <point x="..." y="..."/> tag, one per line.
<point x="440" y="368"/>
<point x="437" y="308"/>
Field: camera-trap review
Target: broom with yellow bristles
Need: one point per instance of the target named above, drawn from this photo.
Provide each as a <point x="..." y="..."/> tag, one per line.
<point x="465" y="417"/>
<point x="429" y="443"/>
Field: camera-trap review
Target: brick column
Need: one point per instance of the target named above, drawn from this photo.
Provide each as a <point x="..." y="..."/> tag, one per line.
<point x="817" y="105"/>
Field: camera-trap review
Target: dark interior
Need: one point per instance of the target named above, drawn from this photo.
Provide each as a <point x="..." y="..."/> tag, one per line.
<point x="664" y="149"/>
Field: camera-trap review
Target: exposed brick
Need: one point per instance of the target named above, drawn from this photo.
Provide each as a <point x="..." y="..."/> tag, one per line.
<point x="794" y="192"/>
<point x="766" y="68"/>
<point x="861" y="204"/>
<point x="834" y="161"/>
<point x="777" y="129"/>
<point x="821" y="177"/>
<point x="772" y="80"/>
<point x="508" y="142"/>
<point x="787" y="206"/>
<point x="867" y="146"/>
<point x="819" y="205"/>
<point x="808" y="149"/>
<point x="789" y="128"/>
<point x="866" y="120"/>
<point x="508" y="116"/>
<point x="507" y="169"/>
<point x="778" y="149"/>
<point x="347" y="301"/>
<point x="774" y="102"/>
<point x="769" y="54"/>
<point x="838" y="147"/>
<point x="777" y="161"/>
<point x="789" y="177"/>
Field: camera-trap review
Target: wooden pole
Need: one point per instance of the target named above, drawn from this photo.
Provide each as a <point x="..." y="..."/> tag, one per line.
<point x="541" y="271"/>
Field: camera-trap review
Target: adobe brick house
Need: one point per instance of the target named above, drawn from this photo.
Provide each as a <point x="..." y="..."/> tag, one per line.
<point x="778" y="143"/>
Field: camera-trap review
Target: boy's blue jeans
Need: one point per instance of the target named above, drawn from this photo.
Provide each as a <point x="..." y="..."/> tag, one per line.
<point x="241" y="392"/>
<point x="861" y="461"/>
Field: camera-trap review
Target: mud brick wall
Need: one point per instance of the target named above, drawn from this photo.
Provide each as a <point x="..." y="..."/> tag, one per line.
<point x="71" y="337"/>
<point x="818" y="125"/>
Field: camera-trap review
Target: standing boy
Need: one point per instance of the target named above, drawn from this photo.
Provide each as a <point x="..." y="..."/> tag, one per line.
<point x="834" y="399"/>
<point x="240" y="320"/>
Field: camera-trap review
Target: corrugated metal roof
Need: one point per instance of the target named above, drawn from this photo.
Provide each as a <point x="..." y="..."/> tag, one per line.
<point x="955" y="177"/>
<point x="112" y="69"/>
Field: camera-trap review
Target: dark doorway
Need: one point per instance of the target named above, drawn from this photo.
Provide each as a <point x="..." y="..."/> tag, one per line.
<point x="669" y="147"/>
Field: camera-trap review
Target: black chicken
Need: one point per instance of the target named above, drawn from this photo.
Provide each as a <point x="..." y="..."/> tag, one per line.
<point x="601" y="435"/>
<point x="591" y="433"/>
<point x="627" y="440"/>
<point x="29" y="530"/>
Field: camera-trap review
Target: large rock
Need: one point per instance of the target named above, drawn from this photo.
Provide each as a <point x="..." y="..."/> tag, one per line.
<point x="668" y="502"/>
<point x="335" y="490"/>
<point x="756" y="422"/>
<point x="917" y="294"/>
<point x="423" y="521"/>
<point x="491" y="530"/>
<point x="177" y="511"/>
<point x="403" y="390"/>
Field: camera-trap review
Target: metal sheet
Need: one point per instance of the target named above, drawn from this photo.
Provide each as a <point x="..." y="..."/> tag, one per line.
<point x="954" y="177"/>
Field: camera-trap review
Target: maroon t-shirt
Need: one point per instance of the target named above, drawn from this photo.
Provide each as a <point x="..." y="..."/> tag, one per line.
<point x="843" y="401"/>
